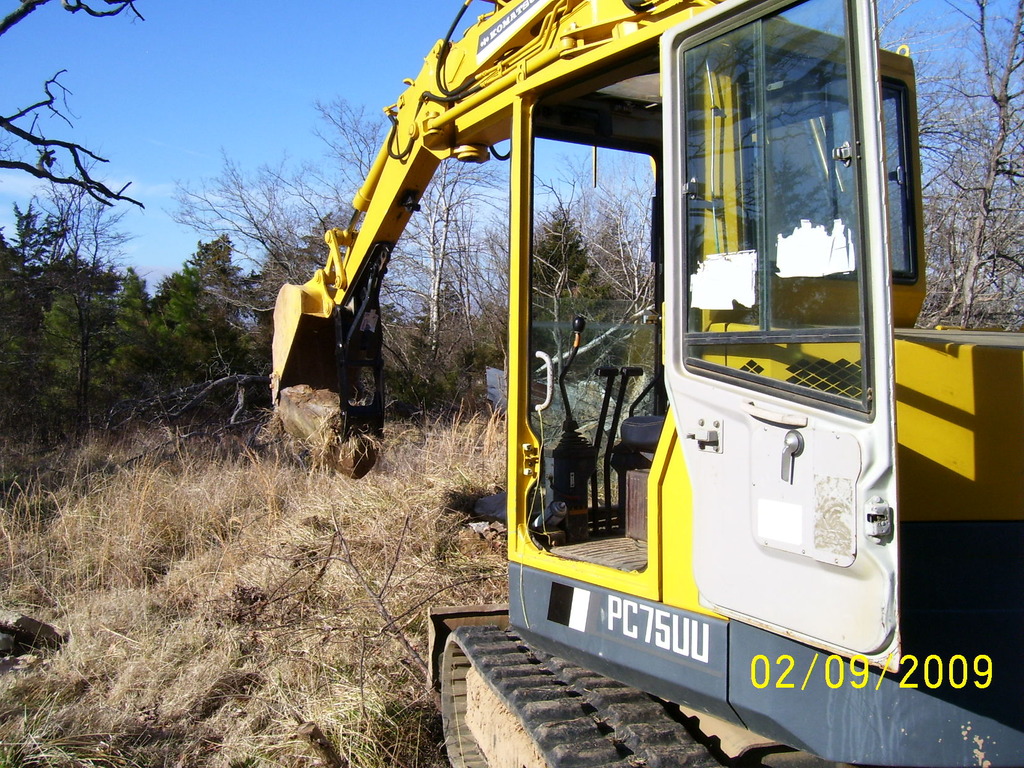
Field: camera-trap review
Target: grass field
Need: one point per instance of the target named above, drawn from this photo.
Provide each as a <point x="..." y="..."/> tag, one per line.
<point x="215" y="597"/>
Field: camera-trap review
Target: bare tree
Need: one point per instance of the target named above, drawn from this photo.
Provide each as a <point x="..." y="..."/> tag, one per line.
<point x="28" y="149"/>
<point x="437" y="270"/>
<point x="604" y="211"/>
<point x="274" y="215"/>
<point x="277" y="214"/>
<point x="975" y="156"/>
<point x="352" y="138"/>
<point x="618" y="229"/>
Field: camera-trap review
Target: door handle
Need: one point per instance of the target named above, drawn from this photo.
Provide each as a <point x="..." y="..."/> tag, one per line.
<point x="549" y="381"/>
<point x="793" y="446"/>
<point x="774" y="417"/>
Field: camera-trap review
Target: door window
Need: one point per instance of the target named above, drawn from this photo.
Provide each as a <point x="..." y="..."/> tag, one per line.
<point x="775" y="261"/>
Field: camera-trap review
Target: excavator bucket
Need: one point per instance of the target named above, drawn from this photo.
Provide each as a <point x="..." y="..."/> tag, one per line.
<point x="327" y="383"/>
<point x="305" y="382"/>
<point x="303" y="348"/>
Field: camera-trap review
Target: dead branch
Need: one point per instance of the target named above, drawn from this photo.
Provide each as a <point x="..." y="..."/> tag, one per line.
<point x="172" y="406"/>
<point x="26" y="7"/>
<point x="71" y="6"/>
<point x="311" y="732"/>
<point x="278" y="594"/>
<point x="377" y="599"/>
<point x="115" y="7"/>
<point x="81" y="158"/>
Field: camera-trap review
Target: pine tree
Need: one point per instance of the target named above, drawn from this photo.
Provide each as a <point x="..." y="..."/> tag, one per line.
<point x="24" y="300"/>
<point x="200" y="332"/>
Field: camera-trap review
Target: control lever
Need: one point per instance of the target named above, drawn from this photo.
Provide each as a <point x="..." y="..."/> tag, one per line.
<point x="579" y="324"/>
<point x="627" y="373"/>
<point x="573" y="459"/>
<point x="608" y="373"/>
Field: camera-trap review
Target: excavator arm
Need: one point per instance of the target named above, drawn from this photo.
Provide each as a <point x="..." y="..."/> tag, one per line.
<point x="327" y="365"/>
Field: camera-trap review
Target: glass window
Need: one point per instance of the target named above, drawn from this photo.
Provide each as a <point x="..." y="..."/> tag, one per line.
<point x="898" y="176"/>
<point x="773" y="235"/>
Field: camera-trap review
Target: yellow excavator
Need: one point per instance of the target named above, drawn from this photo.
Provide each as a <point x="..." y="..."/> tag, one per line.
<point x="755" y="516"/>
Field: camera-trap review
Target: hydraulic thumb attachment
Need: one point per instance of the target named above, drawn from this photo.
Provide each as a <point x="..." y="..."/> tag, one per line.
<point x="328" y="367"/>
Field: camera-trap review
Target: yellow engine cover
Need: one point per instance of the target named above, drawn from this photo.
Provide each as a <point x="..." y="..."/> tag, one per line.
<point x="960" y="425"/>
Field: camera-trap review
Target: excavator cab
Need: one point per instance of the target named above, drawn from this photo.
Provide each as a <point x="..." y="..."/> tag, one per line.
<point x="770" y="237"/>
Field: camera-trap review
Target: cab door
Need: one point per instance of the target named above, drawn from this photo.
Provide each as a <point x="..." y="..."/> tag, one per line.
<point x="778" y="322"/>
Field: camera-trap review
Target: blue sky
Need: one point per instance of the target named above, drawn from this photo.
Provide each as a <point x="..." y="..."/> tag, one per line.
<point x="165" y="99"/>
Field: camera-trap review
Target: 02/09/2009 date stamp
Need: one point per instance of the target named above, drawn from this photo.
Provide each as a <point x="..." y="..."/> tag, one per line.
<point x="930" y="672"/>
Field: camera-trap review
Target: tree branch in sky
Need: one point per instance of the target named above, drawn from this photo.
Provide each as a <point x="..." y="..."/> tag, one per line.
<point x="28" y="149"/>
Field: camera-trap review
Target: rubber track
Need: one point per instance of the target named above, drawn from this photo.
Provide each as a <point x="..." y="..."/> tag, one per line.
<point x="578" y="718"/>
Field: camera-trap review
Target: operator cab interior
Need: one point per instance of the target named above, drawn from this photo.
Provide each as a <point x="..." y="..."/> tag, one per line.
<point x="597" y="400"/>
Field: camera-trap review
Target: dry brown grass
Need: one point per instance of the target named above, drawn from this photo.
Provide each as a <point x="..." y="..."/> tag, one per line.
<point x="215" y="603"/>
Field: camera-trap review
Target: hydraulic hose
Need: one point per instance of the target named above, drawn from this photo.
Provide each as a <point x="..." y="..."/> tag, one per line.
<point x="450" y="94"/>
